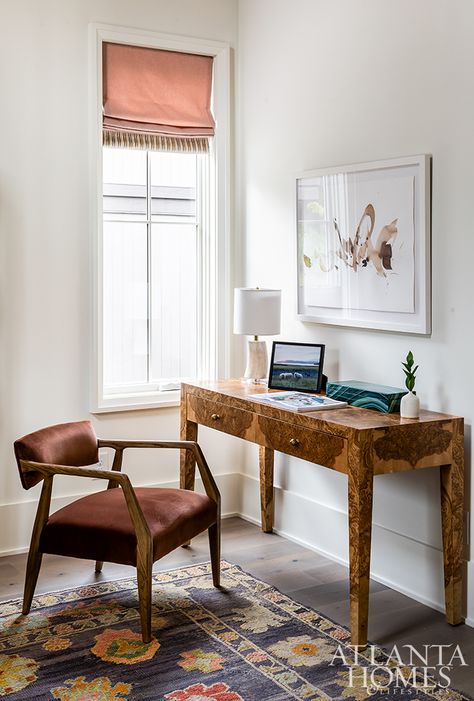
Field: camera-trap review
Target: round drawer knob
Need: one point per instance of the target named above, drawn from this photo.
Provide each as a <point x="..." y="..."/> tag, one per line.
<point x="294" y="442"/>
<point x="215" y="417"/>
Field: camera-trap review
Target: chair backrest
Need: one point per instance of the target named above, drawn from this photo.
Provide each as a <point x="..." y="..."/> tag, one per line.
<point x="73" y="444"/>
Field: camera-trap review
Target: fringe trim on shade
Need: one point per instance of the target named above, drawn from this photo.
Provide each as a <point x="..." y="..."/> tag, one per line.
<point x="155" y="142"/>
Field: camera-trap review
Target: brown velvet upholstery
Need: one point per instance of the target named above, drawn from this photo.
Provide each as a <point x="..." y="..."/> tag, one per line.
<point x="99" y="527"/>
<point x="119" y="524"/>
<point x="63" y="444"/>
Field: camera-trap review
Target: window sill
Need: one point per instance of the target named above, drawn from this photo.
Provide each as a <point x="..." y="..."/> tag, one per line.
<point x="134" y="402"/>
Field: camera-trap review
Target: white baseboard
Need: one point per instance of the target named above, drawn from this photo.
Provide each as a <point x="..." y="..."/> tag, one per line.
<point x="16" y="518"/>
<point x="416" y="571"/>
<point x="470" y="593"/>
<point x="399" y="562"/>
<point x="345" y="562"/>
<point x="21" y="551"/>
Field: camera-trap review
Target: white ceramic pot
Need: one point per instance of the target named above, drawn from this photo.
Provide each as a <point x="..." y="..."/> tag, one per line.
<point x="410" y="406"/>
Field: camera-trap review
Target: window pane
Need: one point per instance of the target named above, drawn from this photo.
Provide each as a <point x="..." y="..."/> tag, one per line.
<point x="125" y="303"/>
<point x="173" y="301"/>
<point x="150" y="268"/>
<point x="178" y="169"/>
<point x="124" y="165"/>
<point x="173" y="184"/>
<point x="124" y="188"/>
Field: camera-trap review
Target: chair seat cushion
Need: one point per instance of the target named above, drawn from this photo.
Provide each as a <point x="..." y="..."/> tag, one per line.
<point x="99" y="527"/>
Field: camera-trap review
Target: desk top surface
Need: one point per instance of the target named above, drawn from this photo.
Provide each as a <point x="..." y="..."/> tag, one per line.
<point x="338" y="421"/>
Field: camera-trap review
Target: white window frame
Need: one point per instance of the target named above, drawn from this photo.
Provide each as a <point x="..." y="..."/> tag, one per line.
<point x="214" y="286"/>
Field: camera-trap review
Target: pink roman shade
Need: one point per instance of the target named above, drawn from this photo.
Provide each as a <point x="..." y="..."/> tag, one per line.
<point x="156" y="99"/>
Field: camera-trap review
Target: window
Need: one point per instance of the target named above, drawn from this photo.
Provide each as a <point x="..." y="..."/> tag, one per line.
<point x="161" y="295"/>
<point x="152" y="237"/>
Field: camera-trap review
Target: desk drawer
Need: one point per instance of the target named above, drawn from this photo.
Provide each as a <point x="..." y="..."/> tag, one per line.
<point x="315" y="446"/>
<point x="217" y="415"/>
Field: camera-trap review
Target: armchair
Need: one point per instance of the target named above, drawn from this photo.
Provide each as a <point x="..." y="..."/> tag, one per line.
<point x="122" y="524"/>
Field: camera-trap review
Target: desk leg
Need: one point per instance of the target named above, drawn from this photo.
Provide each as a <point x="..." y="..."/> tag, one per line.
<point x="360" y="534"/>
<point x="452" y="516"/>
<point x="187" y="464"/>
<point x="265" y="456"/>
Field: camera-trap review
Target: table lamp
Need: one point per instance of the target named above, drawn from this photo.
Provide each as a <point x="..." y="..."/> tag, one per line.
<point x="256" y="313"/>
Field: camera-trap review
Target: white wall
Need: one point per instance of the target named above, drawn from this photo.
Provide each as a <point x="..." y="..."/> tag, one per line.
<point x="326" y="83"/>
<point x="321" y="83"/>
<point x="45" y="254"/>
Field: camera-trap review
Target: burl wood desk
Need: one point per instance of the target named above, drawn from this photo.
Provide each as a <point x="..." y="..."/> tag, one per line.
<point x="355" y="441"/>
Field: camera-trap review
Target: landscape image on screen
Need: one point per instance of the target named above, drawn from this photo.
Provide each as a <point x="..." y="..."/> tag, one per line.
<point x="295" y="367"/>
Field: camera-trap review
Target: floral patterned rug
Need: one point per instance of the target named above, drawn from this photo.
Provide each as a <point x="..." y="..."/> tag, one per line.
<point x="245" y="642"/>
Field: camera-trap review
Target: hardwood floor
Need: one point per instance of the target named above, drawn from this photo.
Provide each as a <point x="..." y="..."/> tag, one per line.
<point x="306" y="576"/>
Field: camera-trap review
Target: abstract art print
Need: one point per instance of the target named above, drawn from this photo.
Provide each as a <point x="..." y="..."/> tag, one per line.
<point x="364" y="245"/>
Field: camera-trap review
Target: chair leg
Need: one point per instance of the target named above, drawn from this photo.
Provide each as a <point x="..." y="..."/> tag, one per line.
<point x="31" y="577"/>
<point x="35" y="556"/>
<point x="144" y="597"/>
<point x="215" y="548"/>
<point x="98" y="565"/>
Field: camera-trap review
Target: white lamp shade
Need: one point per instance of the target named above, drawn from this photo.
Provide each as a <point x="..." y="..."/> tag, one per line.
<point x="257" y="311"/>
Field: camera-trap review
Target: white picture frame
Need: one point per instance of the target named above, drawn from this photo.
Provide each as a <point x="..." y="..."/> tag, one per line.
<point x="363" y="245"/>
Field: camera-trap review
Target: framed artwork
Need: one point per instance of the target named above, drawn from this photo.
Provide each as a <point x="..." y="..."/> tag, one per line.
<point x="364" y="245"/>
<point x="296" y="366"/>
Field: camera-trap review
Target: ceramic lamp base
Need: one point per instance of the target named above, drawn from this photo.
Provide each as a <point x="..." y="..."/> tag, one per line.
<point x="257" y="361"/>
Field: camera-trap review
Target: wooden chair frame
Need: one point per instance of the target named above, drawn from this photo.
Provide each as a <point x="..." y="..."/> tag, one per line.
<point x="116" y="478"/>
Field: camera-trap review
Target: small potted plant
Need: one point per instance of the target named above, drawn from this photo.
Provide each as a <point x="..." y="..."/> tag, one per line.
<point x="410" y="404"/>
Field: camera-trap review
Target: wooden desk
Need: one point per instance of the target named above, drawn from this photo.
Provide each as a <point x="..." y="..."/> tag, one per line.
<point x="358" y="442"/>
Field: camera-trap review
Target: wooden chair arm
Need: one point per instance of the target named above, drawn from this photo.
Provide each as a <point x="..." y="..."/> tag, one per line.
<point x="140" y="525"/>
<point x="208" y="481"/>
<point x="52" y="469"/>
<point x="122" y="444"/>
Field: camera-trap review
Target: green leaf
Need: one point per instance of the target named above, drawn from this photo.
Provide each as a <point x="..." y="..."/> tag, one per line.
<point x="307" y="261"/>
<point x="410" y="358"/>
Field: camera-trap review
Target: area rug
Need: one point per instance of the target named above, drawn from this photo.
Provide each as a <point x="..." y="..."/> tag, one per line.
<point x="245" y="642"/>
